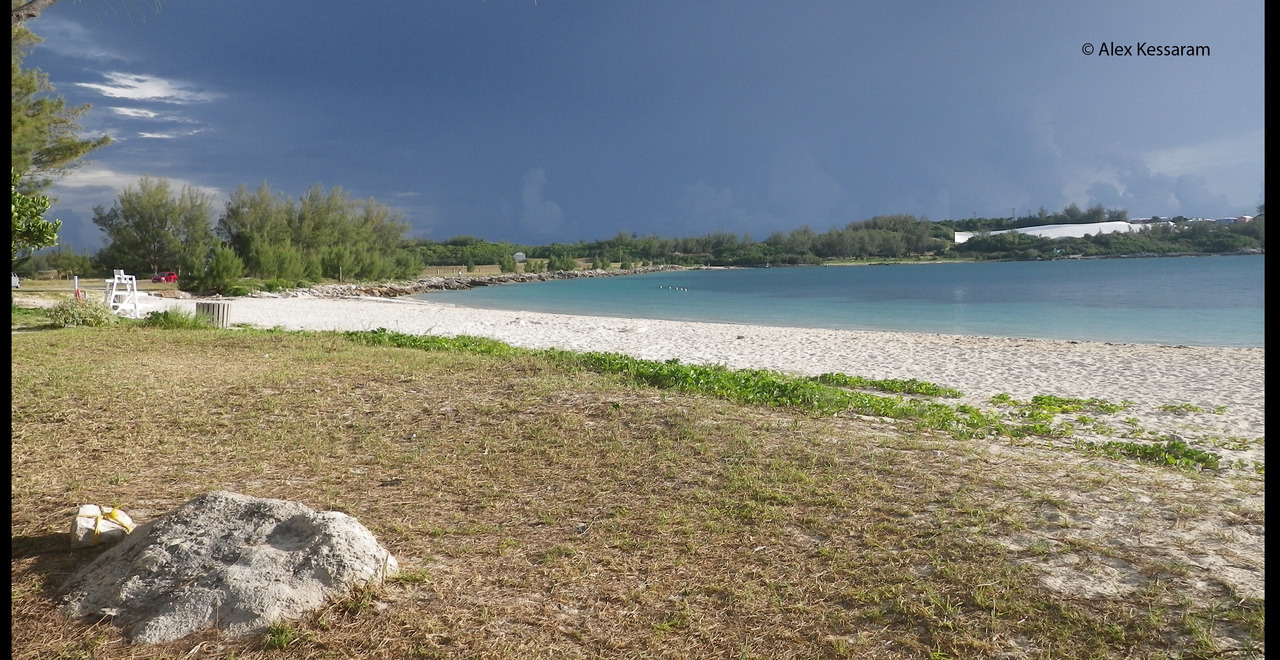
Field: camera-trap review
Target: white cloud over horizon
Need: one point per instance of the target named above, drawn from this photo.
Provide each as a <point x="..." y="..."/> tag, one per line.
<point x="102" y="186"/>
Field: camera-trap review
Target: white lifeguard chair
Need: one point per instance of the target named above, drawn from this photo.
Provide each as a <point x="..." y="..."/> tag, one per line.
<point x="122" y="294"/>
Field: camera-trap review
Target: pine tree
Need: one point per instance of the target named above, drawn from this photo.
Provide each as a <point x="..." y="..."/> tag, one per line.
<point x="46" y="142"/>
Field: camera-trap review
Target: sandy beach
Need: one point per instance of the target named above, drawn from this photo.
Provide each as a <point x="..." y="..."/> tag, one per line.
<point x="1227" y="380"/>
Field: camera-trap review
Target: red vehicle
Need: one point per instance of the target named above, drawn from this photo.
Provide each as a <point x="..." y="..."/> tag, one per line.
<point x="168" y="277"/>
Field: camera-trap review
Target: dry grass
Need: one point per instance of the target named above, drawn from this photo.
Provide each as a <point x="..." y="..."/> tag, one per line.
<point x="544" y="513"/>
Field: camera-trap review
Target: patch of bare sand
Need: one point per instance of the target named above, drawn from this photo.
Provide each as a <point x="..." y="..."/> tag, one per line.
<point x="1109" y="529"/>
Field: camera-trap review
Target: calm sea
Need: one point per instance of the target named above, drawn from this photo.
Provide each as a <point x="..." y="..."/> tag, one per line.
<point x="1196" y="301"/>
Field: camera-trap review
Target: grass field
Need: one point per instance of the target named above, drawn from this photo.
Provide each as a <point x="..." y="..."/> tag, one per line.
<point x="543" y="510"/>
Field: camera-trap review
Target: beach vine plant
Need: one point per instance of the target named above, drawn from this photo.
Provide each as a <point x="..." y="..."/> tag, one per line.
<point x="1188" y="408"/>
<point x="1044" y="404"/>
<point x="909" y="386"/>
<point x="1172" y="452"/>
<point x="834" y="393"/>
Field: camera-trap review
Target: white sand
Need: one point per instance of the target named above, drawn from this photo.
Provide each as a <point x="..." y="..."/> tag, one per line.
<point x="1149" y="375"/>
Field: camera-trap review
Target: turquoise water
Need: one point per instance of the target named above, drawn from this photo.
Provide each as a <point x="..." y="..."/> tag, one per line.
<point x="1195" y="301"/>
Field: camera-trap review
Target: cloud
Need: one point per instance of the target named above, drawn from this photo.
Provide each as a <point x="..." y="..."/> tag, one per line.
<point x="97" y="178"/>
<point x="1143" y="193"/>
<point x="148" y="88"/>
<point x="423" y="219"/>
<point x="166" y="136"/>
<point x="707" y="208"/>
<point x="1219" y="173"/>
<point x="538" y="214"/>
<point x="134" y="112"/>
<point x="1216" y="154"/>
<point x="82" y="189"/>
<point x="70" y="39"/>
<point x="1212" y="178"/>
<point x="802" y="192"/>
<point x="156" y="119"/>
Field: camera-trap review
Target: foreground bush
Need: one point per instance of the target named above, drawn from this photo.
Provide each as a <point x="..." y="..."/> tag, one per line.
<point x="74" y="312"/>
<point x="176" y="319"/>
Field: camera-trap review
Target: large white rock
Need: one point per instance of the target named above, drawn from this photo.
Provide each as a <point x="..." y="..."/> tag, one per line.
<point x="226" y="560"/>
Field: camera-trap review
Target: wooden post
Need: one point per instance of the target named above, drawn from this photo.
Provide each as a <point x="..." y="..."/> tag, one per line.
<point x="216" y="311"/>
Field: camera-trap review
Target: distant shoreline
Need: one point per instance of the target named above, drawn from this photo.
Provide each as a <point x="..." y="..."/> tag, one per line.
<point x="463" y="282"/>
<point x="944" y="260"/>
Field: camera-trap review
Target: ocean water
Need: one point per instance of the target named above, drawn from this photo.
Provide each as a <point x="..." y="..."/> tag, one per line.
<point x="1194" y="301"/>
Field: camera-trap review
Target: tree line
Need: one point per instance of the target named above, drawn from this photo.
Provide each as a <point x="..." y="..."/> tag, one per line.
<point x="324" y="235"/>
<point x="1177" y="237"/>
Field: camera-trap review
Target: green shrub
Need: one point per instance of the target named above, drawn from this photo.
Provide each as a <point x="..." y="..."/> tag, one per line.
<point x="73" y="312"/>
<point x="236" y="290"/>
<point x="223" y="268"/>
<point x="277" y="284"/>
<point x="176" y="319"/>
<point x="559" y="262"/>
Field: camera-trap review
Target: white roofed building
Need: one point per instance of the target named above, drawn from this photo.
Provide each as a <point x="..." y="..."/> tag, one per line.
<point x="1060" y="231"/>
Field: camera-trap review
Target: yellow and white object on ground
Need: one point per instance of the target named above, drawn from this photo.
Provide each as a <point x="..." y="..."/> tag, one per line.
<point x="99" y="525"/>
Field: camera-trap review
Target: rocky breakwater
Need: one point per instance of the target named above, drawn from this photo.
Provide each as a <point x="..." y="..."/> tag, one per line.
<point x="410" y="287"/>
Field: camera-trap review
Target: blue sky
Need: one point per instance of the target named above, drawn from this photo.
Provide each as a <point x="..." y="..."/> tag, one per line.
<point x="556" y="120"/>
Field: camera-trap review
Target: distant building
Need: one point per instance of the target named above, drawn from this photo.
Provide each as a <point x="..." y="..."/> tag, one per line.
<point x="519" y="257"/>
<point x="1059" y="231"/>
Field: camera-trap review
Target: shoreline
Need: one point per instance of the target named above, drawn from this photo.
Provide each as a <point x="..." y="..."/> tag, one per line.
<point x="462" y="282"/>
<point x="1204" y="330"/>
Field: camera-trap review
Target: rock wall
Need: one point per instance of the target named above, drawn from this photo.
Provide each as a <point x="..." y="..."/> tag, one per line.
<point x="407" y="288"/>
